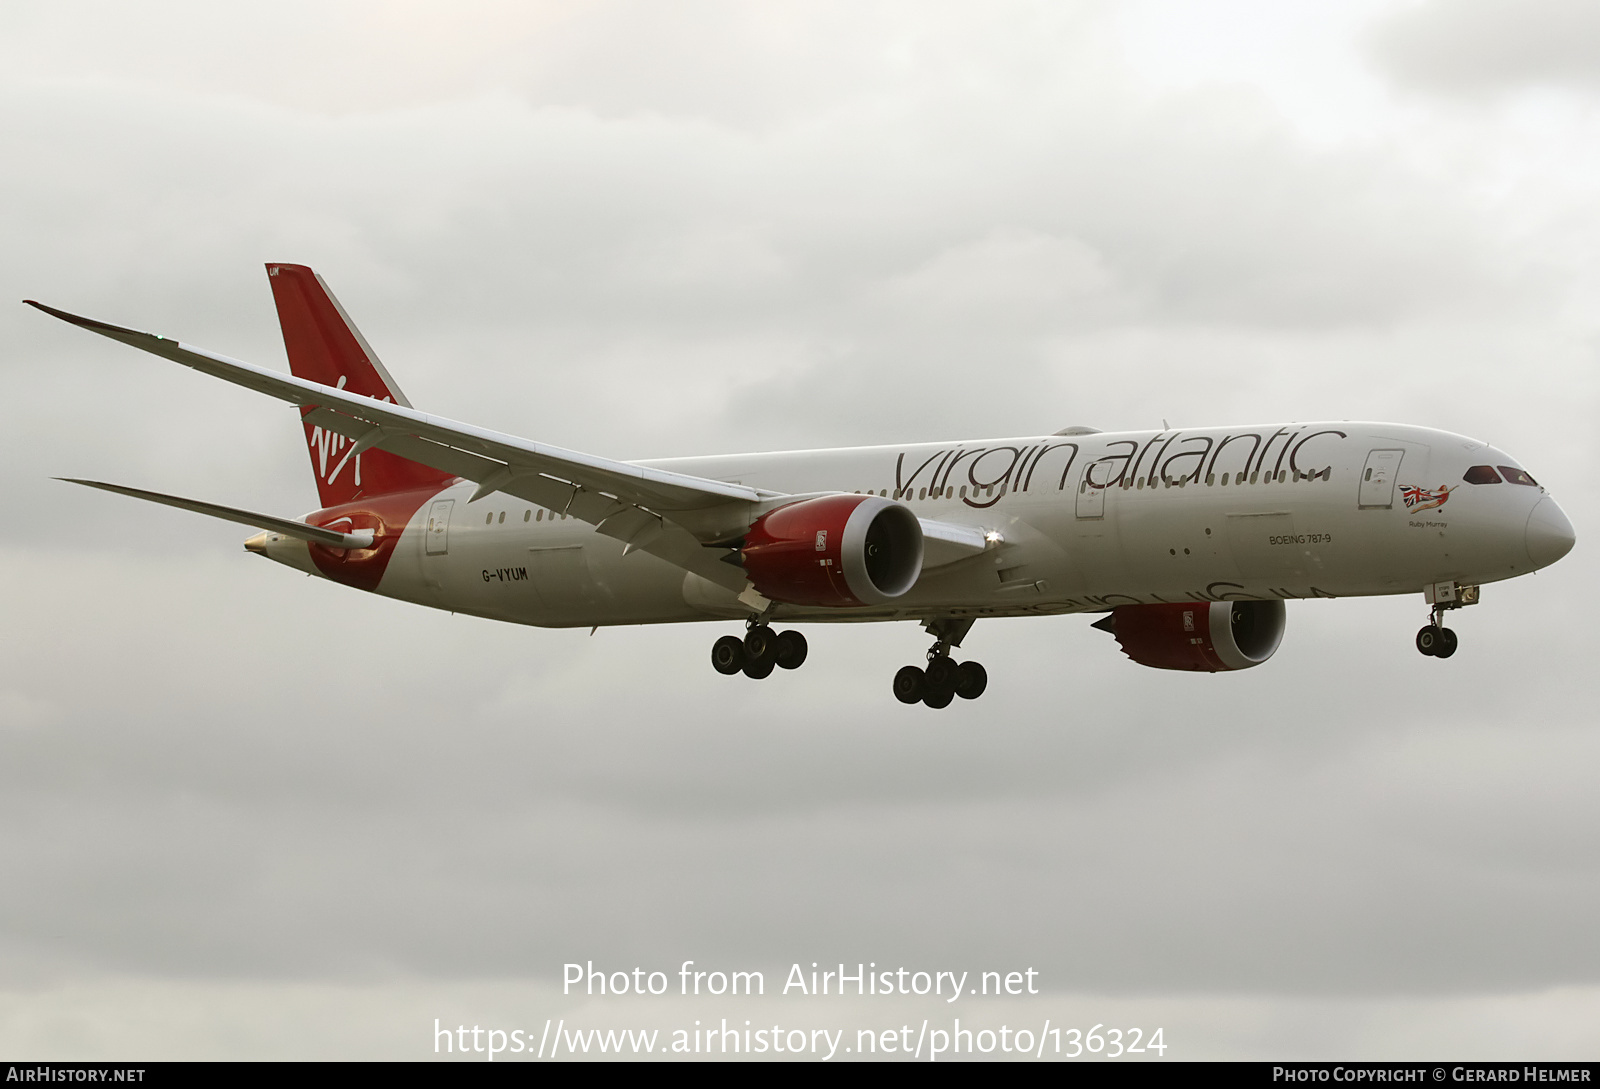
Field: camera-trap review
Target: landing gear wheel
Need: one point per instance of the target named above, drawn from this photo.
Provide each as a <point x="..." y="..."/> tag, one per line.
<point x="1447" y="643"/>
<point x="760" y="643"/>
<point x="791" y="650"/>
<point x="1428" y="640"/>
<point x="941" y="674"/>
<point x="760" y="652"/>
<point x="971" y="680"/>
<point x="939" y="688"/>
<point x="908" y="685"/>
<point x="727" y="655"/>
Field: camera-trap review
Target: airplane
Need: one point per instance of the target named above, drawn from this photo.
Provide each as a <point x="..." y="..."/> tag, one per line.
<point x="1186" y="542"/>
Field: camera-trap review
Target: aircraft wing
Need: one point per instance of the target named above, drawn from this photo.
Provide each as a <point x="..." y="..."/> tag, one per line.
<point x="947" y="542"/>
<point x="671" y="515"/>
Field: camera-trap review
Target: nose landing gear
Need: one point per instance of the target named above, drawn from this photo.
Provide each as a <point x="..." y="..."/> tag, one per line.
<point x="1435" y="640"/>
<point x="944" y="678"/>
<point x="760" y="651"/>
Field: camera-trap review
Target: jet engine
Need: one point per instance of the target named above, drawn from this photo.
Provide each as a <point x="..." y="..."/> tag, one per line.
<point x="1207" y="637"/>
<point x="839" y="551"/>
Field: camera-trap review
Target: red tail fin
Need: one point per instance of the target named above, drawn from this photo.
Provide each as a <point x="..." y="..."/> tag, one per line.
<point x="325" y="346"/>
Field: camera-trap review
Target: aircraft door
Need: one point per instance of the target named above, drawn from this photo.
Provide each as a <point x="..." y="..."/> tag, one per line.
<point x="1091" y="498"/>
<point x="1377" y="479"/>
<point x="438" y="531"/>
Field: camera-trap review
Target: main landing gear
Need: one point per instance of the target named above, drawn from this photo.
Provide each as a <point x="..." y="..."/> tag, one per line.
<point x="1436" y="640"/>
<point x="944" y="678"/>
<point x="760" y="651"/>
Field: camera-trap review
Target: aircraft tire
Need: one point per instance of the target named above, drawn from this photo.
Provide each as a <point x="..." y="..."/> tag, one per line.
<point x="791" y="650"/>
<point x="940" y="686"/>
<point x="908" y="685"/>
<point x="759" y="669"/>
<point x="971" y="680"/>
<point x="1447" y="643"/>
<point x="942" y="673"/>
<point x="1428" y="640"/>
<point x="727" y="655"/>
<point x="761" y="643"/>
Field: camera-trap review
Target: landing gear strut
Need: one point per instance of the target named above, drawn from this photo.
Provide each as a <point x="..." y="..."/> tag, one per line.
<point x="1435" y="640"/>
<point x="944" y="678"/>
<point x="760" y="651"/>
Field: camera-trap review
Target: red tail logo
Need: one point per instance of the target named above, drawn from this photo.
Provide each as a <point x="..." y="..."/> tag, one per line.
<point x="325" y="346"/>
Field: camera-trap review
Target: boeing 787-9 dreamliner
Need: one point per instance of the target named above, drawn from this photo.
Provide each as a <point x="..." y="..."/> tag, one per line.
<point x="1185" y="541"/>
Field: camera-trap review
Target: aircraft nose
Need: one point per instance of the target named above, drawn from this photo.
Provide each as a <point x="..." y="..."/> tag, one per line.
<point x="1550" y="535"/>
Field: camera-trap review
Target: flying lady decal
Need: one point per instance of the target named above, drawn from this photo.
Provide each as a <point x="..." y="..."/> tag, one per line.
<point x="1419" y="499"/>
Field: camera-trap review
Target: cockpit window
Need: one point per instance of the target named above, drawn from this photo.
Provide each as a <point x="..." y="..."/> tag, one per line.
<point x="1482" y="474"/>
<point x="1517" y="476"/>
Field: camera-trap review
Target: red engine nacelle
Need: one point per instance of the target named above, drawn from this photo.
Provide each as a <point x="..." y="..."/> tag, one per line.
<point x="1209" y="637"/>
<point x="839" y="550"/>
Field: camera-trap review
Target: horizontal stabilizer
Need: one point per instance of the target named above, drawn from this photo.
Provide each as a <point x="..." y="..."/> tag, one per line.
<point x="286" y="526"/>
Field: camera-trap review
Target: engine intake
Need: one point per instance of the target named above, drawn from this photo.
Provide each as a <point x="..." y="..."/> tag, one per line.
<point x="1208" y="637"/>
<point x="838" y="551"/>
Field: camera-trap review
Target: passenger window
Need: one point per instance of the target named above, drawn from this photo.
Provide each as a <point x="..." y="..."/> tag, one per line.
<point x="502" y="517"/>
<point x="1514" y="475"/>
<point x="527" y="515"/>
<point x="488" y="518"/>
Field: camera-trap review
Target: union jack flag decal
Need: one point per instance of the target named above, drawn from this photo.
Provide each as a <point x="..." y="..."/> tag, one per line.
<point x="1422" y="498"/>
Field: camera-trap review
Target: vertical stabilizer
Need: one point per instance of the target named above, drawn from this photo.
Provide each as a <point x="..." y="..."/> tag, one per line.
<point x="325" y="346"/>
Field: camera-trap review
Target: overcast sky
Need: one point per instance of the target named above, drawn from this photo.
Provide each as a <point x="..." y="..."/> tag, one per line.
<point x="245" y="813"/>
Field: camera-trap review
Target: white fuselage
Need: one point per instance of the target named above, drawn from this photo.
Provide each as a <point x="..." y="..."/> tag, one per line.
<point x="1088" y="522"/>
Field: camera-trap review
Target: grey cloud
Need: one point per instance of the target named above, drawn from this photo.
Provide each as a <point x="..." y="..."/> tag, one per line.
<point x="214" y="769"/>
<point x="1491" y="45"/>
